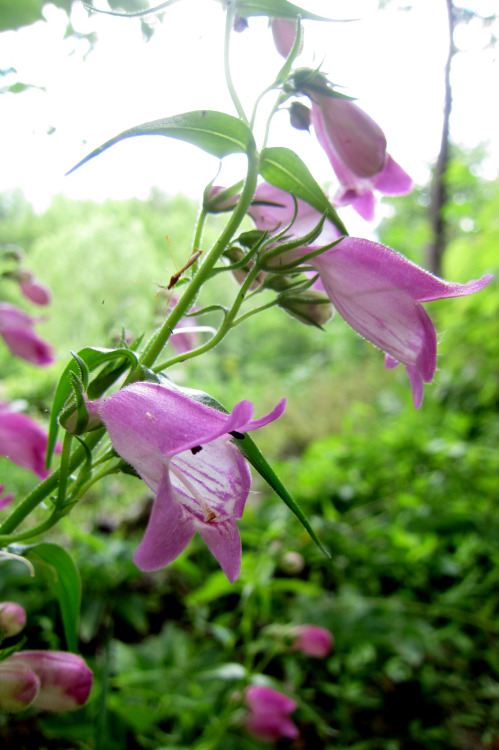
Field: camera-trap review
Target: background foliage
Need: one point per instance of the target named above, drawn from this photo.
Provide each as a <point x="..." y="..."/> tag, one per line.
<point x="404" y="501"/>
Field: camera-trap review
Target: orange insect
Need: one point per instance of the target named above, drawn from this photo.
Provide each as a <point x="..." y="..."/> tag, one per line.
<point x="176" y="276"/>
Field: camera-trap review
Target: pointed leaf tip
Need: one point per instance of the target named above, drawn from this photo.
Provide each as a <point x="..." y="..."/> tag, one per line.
<point x="216" y="133"/>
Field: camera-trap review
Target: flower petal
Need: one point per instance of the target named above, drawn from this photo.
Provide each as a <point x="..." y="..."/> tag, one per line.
<point x="224" y="542"/>
<point x="168" y="532"/>
<point x="392" y="180"/>
<point x="357" y="140"/>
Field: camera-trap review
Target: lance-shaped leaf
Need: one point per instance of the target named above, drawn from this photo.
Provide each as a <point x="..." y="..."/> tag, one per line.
<point x="92" y="357"/>
<point x="64" y="581"/>
<point x="284" y="169"/>
<point x="215" y="132"/>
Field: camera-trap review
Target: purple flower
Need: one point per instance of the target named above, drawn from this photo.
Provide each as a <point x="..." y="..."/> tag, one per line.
<point x="269" y="714"/>
<point x="375" y="289"/>
<point x="23" y="441"/>
<point x="33" y="289"/>
<point x="64" y="680"/>
<point x="379" y="293"/>
<point x="12" y="619"/>
<point x="356" y="147"/>
<point x="17" y="330"/>
<point x="284" y="33"/>
<point x="312" y="640"/>
<point x="183" y="450"/>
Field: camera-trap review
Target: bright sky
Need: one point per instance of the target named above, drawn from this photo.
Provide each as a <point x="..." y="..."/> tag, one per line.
<point x="392" y="61"/>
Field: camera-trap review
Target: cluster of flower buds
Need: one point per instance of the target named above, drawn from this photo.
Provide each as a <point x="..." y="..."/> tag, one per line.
<point x="54" y="681"/>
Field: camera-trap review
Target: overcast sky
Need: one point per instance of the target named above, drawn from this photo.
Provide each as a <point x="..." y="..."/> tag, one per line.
<point x="391" y="60"/>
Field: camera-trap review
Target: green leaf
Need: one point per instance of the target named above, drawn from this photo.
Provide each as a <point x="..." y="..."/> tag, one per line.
<point x="215" y="132"/>
<point x="6" y="652"/>
<point x="275" y="9"/>
<point x="20" y="13"/>
<point x="284" y="169"/>
<point x="92" y="357"/>
<point x="65" y="583"/>
<point x="251" y="452"/>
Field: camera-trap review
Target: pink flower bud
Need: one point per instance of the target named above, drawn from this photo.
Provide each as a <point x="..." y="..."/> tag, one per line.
<point x="313" y="641"/>
<point x="65" y="679"/>
<point x="12" y="619"/>
<point x="284" y="33"/>
<point x="269" y="709"/>
<point x="19" y="686"/>
<point x="33" y="289"/>
<point x="17" y="330"/>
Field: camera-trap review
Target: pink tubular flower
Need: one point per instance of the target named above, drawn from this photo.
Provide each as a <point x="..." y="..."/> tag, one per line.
<point x="312" y="640"/>
<point x="378" y="292"/>
<point x="182" y="449"/>
<point x="12" y="619"/>
<point x="64" y="679"/>
<point x="269" y="714"/>
<point x="17" y="330"/>
<point x="33" y="289"/>
<point x="23" y="442"/>
<point x="356" y="147"/>
<point x="284" y="33"/>
<point x="375" y="289"/>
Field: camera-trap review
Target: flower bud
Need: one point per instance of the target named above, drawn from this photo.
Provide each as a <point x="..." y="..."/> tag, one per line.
<point x="33" y="289"/>
<point x="12" y="619"/>
<point x="218" y="199"/>
<point x="284" y="33"/>
<point x="313" y="641"/>
<point x="65" y="680"/>
<point x="19" y="686"/>
<point x="240" y="274"/>
<point x="311" y="307"/>
<point x="299" y="116"/>
<point x="240" y="24"/>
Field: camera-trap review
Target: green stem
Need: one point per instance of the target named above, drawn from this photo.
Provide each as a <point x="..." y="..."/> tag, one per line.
<point x="225" y="326"/>
<point x="153" y="350"/>
<point x="199" y="229"/>
<point x="45" y="488"/>
<point x="229" y="22"/>
<point x="64" y="470"/>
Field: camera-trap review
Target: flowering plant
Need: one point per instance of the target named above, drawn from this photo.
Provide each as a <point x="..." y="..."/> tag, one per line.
<point x="118" y="408"/>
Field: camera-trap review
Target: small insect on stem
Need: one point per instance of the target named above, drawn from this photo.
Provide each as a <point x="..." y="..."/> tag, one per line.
<point x="190" y="262"/>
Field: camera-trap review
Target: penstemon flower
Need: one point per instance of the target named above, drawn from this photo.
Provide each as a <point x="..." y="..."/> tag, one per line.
<point x="375" y="289"/>
<point x="183" y="450"/>
<point x="55" y="681"/>
<point x="356" y="148"/>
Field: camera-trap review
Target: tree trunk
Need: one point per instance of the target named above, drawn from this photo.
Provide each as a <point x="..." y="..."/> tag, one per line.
<point x="437" y="244"/>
